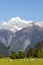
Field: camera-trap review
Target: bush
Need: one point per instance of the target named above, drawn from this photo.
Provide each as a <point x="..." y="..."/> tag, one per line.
<point x="29" y="53"/>
<point x="13" y="55"/>
<point x="20" y="55"/>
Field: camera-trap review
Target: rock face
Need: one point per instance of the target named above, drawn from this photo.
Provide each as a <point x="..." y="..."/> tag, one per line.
<point x="27" y="37"/>
<point x="3" y="50"/>
<point x="22" y="39"/>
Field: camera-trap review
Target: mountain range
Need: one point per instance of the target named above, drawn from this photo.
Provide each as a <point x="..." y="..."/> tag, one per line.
<point x="20" y="34"/>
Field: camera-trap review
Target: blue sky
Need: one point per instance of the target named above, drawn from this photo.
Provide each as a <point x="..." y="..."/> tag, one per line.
<point x="25" y="9"/>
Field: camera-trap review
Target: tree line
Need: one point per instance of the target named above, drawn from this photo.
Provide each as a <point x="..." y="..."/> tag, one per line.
<point x="36" y="52"/>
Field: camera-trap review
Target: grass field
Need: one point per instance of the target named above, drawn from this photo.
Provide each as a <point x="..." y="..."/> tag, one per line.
<point x="21" y="62"/>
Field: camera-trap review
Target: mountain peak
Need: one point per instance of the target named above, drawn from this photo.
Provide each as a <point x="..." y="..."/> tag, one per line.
<point x="15" y="24"/>
<point x="16" y="19"/>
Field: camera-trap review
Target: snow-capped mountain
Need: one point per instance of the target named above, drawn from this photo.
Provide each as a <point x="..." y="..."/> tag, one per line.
<point x="14" y="24"/>
<point x="20" y="34"/>
<point x="22" y="39"/>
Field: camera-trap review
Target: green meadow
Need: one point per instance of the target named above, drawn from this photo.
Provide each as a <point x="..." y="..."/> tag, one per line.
<point x="21" y="61"/>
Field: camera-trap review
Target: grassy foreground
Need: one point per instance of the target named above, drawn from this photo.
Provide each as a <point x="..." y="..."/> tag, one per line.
<point x="21" y="61"/>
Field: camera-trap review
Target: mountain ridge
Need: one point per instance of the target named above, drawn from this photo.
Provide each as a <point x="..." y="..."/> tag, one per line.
<point x="23" y="38"/>
<point x="15" y="24"/>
